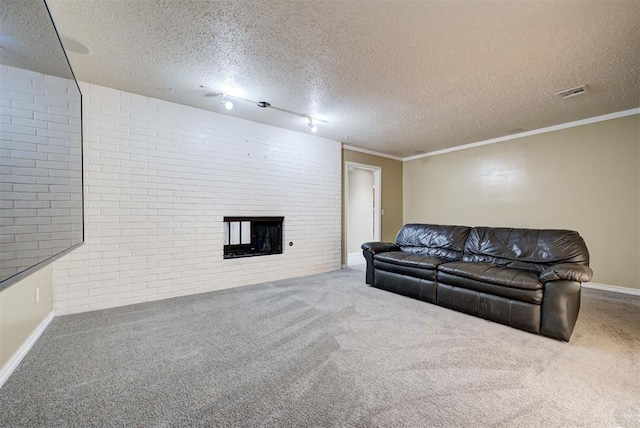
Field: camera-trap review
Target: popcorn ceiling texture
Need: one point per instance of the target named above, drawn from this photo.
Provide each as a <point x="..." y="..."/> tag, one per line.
<point x="396" y="77"/>
<point x="160" y="177"/>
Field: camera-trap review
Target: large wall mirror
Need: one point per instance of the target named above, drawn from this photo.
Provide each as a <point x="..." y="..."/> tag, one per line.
<point x="41" y="199"/>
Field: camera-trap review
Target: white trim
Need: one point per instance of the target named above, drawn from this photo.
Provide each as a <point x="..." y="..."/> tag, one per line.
<point x="612" y="288"/>
<point x="377" y="181"/>
<point x="17" y="357"/>
<point x="371" y="152"/>
<point x="596" y="119"/>
<point x="355" y="259"/>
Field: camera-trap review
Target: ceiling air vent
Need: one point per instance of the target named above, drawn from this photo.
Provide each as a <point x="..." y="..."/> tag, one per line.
<point x="568" y="93"/>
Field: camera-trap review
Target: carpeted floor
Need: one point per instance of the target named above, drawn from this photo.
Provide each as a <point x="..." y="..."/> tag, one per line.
<point x="325" y="350"/>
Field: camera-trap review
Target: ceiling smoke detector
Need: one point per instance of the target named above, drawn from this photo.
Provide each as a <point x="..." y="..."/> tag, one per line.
<point x="568" y="93"/>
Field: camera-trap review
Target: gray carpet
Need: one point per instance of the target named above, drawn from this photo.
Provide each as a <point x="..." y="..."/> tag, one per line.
<point x="325" y="350"/>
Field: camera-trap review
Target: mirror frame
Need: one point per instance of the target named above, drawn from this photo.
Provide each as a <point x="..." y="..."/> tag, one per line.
<point x="7" y="282"/>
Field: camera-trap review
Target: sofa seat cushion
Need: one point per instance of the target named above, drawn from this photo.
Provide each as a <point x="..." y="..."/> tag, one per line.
<point x="493" y="274"/>
<point x="402" y="258"/>
<point x="414" y="265"/>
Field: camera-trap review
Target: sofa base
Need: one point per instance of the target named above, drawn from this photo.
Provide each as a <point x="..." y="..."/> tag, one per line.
<point x="417" y="288"/>
<point x="521" y="315"/>
<point x="514" y="313"/>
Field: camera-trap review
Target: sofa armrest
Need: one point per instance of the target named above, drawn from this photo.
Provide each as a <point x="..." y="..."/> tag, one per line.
<point x="567" y="272"/>
<point x="370" y="249"/>
<point x="379" y="247"/>
<point x="560" y="307"/>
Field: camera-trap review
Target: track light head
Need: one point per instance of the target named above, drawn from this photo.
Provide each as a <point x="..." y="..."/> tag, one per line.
<point x="312" y="125"/>
<point x="228" y="104"/>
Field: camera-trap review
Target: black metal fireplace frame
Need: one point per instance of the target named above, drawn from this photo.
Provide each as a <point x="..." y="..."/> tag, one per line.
<point x="233" y="251"/>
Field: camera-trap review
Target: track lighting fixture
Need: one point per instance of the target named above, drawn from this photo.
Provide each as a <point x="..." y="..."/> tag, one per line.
<point x="228" y="104"/>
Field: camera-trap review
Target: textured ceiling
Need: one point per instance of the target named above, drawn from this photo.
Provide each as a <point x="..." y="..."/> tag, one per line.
<point x="398" y="77"/>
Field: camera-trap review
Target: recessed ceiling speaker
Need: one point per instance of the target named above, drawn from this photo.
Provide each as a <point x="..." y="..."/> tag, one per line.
<point x="72" y="45"/>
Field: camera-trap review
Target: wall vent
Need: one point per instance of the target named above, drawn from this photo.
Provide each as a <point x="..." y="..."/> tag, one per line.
<point x="568" y="93"/>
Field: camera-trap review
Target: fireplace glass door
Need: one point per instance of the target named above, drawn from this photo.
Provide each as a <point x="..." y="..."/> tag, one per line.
<point x="252" y="236"/>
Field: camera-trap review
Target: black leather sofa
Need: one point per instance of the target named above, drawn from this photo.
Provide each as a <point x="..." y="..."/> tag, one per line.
<point x="529" y="279"/>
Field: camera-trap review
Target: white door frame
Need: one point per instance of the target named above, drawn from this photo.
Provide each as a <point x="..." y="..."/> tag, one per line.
<point x="377" y="182"/>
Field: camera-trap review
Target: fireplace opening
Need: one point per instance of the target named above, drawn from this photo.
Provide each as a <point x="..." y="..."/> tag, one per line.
<point x="252" y="236"/>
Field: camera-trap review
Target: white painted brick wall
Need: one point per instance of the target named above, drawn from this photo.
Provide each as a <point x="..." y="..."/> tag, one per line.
<point x="160" y="177"/>
<point x="40" y="215"/>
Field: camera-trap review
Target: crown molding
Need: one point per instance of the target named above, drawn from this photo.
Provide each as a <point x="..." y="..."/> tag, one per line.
<point x="371" y="152"/>
<point x="590" y="120"/>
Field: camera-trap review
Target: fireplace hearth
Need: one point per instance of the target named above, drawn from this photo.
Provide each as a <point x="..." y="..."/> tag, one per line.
<point x="252" y="236"/>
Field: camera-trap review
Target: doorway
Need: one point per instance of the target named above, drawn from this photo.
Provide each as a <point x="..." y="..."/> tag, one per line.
<point x="363" y="209"/>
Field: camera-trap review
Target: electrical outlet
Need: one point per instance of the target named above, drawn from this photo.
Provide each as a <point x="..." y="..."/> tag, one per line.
<point x="37" y="295"/>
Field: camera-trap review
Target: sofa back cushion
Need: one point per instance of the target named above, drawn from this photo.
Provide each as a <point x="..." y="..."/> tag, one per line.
<point x="532" y="249"/>
<point x="434" y="240"/>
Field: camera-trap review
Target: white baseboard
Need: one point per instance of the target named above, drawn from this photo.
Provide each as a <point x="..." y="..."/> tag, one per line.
<point x="612" y="288"/>
<point x="15" y="360"/>
<point x="355" y="259"/>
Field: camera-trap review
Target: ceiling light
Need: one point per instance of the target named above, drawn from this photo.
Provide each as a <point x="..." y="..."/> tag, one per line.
<point x="312" y="125"/>
<point x="228" y="104"/>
